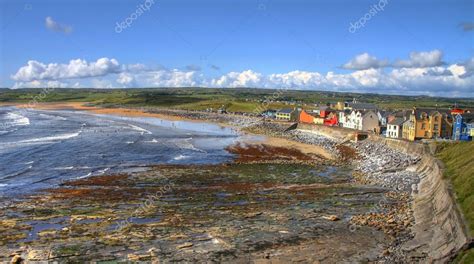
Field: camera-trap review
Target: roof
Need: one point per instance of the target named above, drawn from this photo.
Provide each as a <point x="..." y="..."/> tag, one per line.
<point x="362" y="106"/>
<point x="430" y="111"/>
<point x="310" y="113"/>
<point x="397" y="122"/>
<point x="286" y="111"/>
<point x="323" y="107"/>
<point x="468" y="118"/>
<point x="365" y="112"/>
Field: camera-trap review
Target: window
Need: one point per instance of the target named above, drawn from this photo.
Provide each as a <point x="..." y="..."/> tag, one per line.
<point x="423" y="126"/>
<point x="436" y="118"/>
<point x="426" y="133"/>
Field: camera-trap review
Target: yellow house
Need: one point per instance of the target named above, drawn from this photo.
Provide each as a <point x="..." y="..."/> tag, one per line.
<point x="286" y="114"/>
<point x="408" y="131"/>
<point x="427" y="124"/>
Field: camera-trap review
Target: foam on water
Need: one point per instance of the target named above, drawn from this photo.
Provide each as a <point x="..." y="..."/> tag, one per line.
<point x="140" y="129"/>
<point x="16" y="119"/>
<point x="52" y="138"/>
<point x="180" y="157"/>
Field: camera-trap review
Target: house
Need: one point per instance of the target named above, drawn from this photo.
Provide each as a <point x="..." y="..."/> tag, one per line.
<point x="354" y="105"/>
<point x="395" y="128"/>
<point x="463" y="127"/>
<point x="383" y="116"/>
<point x="404" y="114"/>
<point x="428" y="123"/>
<point x="307" y="117"/>
<point x="269" y="113"/>
<point x="408" y="130"/>
<point x="360" y="120"/>
<point x="286" y="114"/>
<point x="331" y="119"/>
<point x="361" y="106"/>
<point x="322" y="116"/>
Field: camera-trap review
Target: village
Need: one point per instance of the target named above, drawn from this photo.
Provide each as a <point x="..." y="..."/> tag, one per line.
<point x="410" y="124"/>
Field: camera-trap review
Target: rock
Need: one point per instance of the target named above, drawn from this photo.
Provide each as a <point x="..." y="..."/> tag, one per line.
<point x="133" y="257"/>
<point x="35" y="255"/>
<point x="185" y="245"/>
<point x="16" y="259"/>
<point x="153" y="252"/>
<point x="331" y="217"/>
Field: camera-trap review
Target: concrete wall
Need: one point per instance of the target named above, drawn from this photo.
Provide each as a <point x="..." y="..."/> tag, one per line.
<point x="440" y="230"/>
<point x="331" y="132"/>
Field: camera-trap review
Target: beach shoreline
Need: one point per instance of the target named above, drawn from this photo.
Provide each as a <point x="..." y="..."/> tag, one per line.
<point x="133" y="112"/>
<point x="264" y="184"/>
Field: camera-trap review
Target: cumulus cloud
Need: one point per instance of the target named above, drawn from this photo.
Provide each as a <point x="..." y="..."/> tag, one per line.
<point x="446" y="80"/>
<point x="126" y="79"/>
<point x="173" y="78"/>
<point x="78" y="68"/>
<point x="246" y="78"/>
<point x="55" y="26"/>
<point x="421" y="60"/>
<point x="364" y="61"/>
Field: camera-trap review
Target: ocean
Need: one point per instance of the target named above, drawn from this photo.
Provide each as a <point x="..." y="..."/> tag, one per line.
<point x="40" y="148"/>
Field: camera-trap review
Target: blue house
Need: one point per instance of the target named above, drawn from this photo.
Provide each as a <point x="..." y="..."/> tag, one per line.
<point x="463" y="127"/>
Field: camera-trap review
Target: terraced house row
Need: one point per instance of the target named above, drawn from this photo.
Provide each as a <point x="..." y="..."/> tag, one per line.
<point x="413" y="124"/>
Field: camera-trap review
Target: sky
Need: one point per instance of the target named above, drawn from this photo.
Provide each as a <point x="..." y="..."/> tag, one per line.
<point x="380" y="46"/>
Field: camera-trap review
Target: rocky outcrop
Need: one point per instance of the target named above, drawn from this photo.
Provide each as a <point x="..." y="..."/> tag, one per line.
<point x="440" y="230"/>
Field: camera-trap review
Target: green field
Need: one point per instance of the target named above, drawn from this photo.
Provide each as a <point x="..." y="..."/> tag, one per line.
<point x="233" y="99"/>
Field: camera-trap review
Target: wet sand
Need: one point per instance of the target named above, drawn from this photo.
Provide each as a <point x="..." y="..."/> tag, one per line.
<point x="273" y="208"/>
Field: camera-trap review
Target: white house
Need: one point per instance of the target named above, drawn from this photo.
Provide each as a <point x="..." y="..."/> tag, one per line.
<point x="360" y="120"/>
<point x="395" y="128"/>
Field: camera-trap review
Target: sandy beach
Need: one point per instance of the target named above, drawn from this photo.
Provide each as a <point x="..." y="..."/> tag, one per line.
<point x="268" y="140"/>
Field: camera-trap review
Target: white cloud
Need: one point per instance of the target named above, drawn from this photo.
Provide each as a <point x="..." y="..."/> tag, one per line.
<point x="41" y="84"/>
<point x="78" y="68"/>
<point x="246" y="78"/>
<point x="55" y="26"/>
<point x="126" y="79"/>
<point x="172" y="78"/>
<point x="364" y="61"/>
<point x="421" y="60"/>
<point x="446" y="80"/>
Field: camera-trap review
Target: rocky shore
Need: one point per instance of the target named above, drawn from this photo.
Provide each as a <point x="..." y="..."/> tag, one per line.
<point x="373" y="164"/>
<point x="273" y="204"/>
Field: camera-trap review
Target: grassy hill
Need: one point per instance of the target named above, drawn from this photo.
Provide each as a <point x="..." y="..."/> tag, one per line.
<point x="234" y="99"/>
<point x="459" y="161"/>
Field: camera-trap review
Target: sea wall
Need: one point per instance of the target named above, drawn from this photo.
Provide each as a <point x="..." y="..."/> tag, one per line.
<point x="331" y="132"/>
<point x="440" y="230"/>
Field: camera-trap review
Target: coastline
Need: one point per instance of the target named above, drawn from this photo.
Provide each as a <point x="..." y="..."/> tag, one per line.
<point x="377" y="173"/>
<point x="131" y="112"/>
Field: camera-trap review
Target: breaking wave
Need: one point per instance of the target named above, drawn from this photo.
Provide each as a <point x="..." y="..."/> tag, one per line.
<point x="16" y="119"/>
<point x="53" y="138"/>
<point x="140" y="129"/>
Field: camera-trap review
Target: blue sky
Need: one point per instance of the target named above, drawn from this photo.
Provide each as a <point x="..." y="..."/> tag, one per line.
<point x="415" y="47"/>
